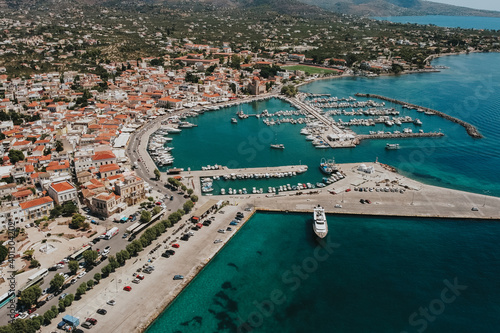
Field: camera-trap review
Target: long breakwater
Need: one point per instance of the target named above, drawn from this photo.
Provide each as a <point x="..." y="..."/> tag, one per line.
<point x="471" y="129"/>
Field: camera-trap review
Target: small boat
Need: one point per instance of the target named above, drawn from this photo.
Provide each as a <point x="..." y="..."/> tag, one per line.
<point x="391" y="146"/>
<point x="417" y="122"/>
<point x="278" y="146"/>
<point x="328" y="167"/>
<point x="234" y="121"/>
<point x="322" y="146"/>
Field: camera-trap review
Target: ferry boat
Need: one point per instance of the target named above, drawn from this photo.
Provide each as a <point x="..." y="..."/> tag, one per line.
<point x="328" y="167"/>
<point x="320" y="225"/>
<point x="391" y="146"/>
<point x="278" y="146"/>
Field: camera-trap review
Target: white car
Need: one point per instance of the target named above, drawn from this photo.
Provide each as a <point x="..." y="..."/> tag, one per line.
<point x="82" y="274"/>
<point x="111" y="302"/>
<point x="23" y="315"/>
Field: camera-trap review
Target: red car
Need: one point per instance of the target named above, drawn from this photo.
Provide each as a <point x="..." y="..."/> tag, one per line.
<point x="91" y="320"/>
<point x="127" y="288"/>
<point x="176" y="245"/>
<point x="348" y="190"/>
<point x="140" y="276"/>
<point x="30" y="311"/>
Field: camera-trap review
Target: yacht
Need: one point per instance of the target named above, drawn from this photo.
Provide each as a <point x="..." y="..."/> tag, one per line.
<point x="391" y="146"/>
<point x="278" y="146"/>
<point x="320" y="225"/>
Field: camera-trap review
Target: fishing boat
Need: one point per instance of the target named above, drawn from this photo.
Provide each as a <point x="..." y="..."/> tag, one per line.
<point x="391" y="146"/>
<point x="320" y="225"/>
<point x="328" y="167"/>
<point x="278" y="146"/>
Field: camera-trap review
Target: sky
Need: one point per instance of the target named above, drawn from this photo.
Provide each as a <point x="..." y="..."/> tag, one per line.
<point x="478" y="4"/>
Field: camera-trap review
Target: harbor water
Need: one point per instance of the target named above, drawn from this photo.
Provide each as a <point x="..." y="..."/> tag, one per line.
<point x="467" y="90"/>
<point x="373" y="274"/>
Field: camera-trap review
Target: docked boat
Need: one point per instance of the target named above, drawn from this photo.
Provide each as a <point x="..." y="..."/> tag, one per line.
<point x="328" y="167"/>
<point x="391" y="146"/>
<point x="320" y="225"/>
<point x="417" y="122"/>
<point x="278" y="146"/>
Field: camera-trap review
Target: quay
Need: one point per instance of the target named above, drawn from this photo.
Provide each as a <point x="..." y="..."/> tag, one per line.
<point x="398" y="135"/>
<point x="471" y="130"/>
<point x="390" y="193"/>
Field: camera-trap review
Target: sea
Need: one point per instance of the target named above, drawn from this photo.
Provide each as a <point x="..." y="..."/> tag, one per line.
<point x="371" y="274"/>
<point x="464" y="22"/>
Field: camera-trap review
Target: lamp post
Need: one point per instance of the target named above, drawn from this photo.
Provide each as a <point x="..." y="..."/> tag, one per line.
<point x="485" y="196"/>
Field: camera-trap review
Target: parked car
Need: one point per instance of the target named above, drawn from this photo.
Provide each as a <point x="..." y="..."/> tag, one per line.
<point x="82" y="274"/>
<point x="127" y="288"/>
<point x="178" y="277"/>
<point x="92" y="321"/>
<point x="87" y="325"/>
<point x="111" y="302"/>
<point x="136" y="280"/>
<point x="101" y="311"/>
<point x="175" y="245"/>
<point x="63" y="295"/>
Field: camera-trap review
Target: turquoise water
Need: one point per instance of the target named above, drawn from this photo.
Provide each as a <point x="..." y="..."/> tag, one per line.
<point x="373" y="275"/>
<point x="465" y="22"/>
<point x="469" y="90"/>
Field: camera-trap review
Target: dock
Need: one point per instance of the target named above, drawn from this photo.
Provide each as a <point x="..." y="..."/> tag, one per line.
<point x="471" y="130"/>
<point x="398" y="135"/>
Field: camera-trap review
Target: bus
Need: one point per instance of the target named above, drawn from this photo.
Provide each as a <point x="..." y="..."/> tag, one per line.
<point x="5" y="298"/>
<point x="35" y="279"/>
<point x="79" y="254"/>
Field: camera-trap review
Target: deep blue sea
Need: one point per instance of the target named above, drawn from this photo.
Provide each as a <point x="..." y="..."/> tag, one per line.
<point x="374" y="274"/>
<point x="464" y="22"/>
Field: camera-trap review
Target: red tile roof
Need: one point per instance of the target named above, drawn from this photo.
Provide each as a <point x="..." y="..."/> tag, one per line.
<point x="61" y="187"/>
<point x="35" y="202"/>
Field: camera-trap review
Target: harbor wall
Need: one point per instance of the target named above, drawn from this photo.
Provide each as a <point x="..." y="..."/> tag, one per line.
<point x="471" y="130"/>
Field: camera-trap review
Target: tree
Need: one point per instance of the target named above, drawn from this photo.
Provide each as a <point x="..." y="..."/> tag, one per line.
<point x="61" y="307"/>
<point x="183" y="188"/>
<point x="34" y="263"/>
<point x="30" y="296"/>
<point x="156" y="210"/>
<point x="145" y="216"/>
<point x="59" y="146"/>
<point x="76" y="221"/>
<point x="188" y="205"/>
<point x="194" y="198"/>
<point x="73" y="266"/>
<point x="56" y="282"/>
<point x="190" y="191"/>
<point x="90" y="256"/>
<point x="235" y="61"/>
<point x="28" y="254"/>
<point x="56" y="211"/>
<point x="81" y="289"/>
<point x="90" y="284"/>
<point x="69" y="208"/>
<point x="106" y="270"/>
<point x="3" y="253"/>
<point x="97" y="277"/>
<point x="15" y="156"/>
<point x="157" y="174"/>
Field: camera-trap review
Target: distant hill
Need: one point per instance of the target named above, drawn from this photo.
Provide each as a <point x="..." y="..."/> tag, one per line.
<point x="397" y="8"/>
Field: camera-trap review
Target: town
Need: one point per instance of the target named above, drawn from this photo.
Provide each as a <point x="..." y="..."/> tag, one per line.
<point x="79" y="99"/>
